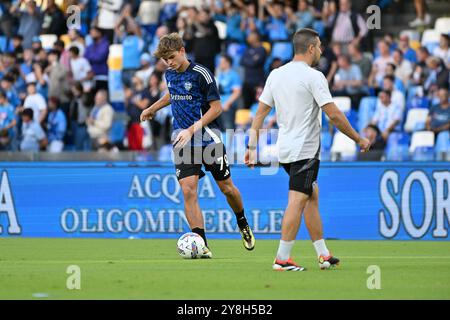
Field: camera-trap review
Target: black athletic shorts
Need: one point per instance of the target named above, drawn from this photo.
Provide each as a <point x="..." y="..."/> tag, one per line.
<point x="213" y="157"/>
<point x="302" y="175"/>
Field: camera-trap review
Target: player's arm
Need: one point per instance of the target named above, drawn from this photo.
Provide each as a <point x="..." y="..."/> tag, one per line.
<point x="258" y="121"/>
<point x="340" y="121"/>
<point x="213" y="113"/>
<point x="149" y="113"/>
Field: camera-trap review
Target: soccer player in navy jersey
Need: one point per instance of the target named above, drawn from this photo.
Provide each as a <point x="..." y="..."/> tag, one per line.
<point x="195" y="102"/>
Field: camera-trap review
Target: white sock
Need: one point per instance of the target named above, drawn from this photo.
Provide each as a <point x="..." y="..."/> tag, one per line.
<point x="284" y="250"/>
<point x="321" y="248"/>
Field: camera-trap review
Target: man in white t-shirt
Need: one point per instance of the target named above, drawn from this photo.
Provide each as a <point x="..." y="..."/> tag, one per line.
<point x="299" y="93"/>
<point x="81" y="68"/>
<point x="36" y="102"/>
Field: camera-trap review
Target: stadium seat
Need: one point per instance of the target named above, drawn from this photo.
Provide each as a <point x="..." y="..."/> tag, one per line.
<point x="3" y="43"/>
<point x="442" y="25"/>
<point x="423" y="154"/>
<point x="430" y="36"/>
<point x="442" y="147"/>
<point x="366" y="111"/>
<point x="325" y="141"/>
<point x="421" y="139"/>
<point x="282" y="50"/>
<point x="165" y="154"/>
<point x="343" y="103"/>
<point x="47" y="40"/>
<point x="221" y="28"/>
<point x="415" y="119"/>
<point x="236" y="50"/>
<point x="243" y="117"/>
<point x="343" y="148"/>
<point x="397" y="148"/>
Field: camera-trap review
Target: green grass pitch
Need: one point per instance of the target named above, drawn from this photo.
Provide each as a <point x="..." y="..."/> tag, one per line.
<point x="152" y="269"/>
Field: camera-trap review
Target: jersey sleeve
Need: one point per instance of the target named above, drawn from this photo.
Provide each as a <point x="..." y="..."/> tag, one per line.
<point x="320" y="90"/>
<point x="208" y="86"/>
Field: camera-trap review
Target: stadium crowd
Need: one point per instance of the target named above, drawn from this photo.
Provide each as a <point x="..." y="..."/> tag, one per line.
<point x="55" y="96"/>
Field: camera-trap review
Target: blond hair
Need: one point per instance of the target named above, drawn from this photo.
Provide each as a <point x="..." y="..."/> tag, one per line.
<point x="168" y="44"/>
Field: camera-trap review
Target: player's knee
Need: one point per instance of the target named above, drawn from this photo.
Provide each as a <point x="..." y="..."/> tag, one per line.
<point x="189" y="192"/>
<point x="228" y="189"/>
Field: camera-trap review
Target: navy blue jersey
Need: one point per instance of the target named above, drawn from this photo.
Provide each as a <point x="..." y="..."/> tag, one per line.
<point x="190" y="94"/>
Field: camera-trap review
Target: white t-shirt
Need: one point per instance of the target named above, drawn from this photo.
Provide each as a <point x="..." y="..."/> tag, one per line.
<point x="297" y="92"/>
<point x="80" y="68"/>
<point x="37" y="103"/>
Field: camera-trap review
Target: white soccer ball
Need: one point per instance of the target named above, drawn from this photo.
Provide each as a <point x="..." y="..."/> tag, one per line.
<point x="190" y="245"/>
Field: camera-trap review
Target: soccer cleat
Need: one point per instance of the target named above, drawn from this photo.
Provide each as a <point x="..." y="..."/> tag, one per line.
<point x="207" y="254"/>
<point x="286" y="265"/>
<point x="247" y="237"/>
<point x="328" y="262"/>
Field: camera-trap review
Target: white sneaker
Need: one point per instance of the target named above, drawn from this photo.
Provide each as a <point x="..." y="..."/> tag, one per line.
<point x="417" y="22"/>
<point x="427" y="19"/>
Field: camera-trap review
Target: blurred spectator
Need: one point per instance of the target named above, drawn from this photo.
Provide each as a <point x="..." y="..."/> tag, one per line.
<point x="397" y="97"/>
<point x="81" y="69"/>
<point x="76" y="40"/>
<point x="97" y="55"/>
<point x="232" y="18"/>
<point x="100" y="119"/>
<point x="7" y="21"/>
<point x="404" y="68"/>
<point x="438" y="75"/>
<point x="7" y="122"/>
<point x="253" y="61"/>
<point x="388" y="115"/>
<point x="27" y="65"/>
<point x="439" y="116"/>
<point x="250" y="21"/>
<point x="422" y="18"/>
<point x="108" y="14"/>
<point x="420" y="69"/>
<point x="17" y="42"/>
<point x="148" y="16"/>
<point x="185" y="29"/>
<point x="160" y="32"/>
<point x="363" y="62"/>
<point x="276" y="28"/>
<point x="443" y="51"/>
<point x="132" y="44"/>
<point x="80" y="106"/>
<point x="380" y="63"/>
<point x="408" y="52"/>
<point x="58" y="84"/>
<point x="36" y="102"/>
<point x="328" y="62"/>
<point x="56" y="125"/>
<point x="146" y="68"/>
<point x="137" y="98"/>
<point x="230" y="88"/>
<point x="346" y="26"/>
<point x="64" y="55"/>
<point x="377" y="144"/>
<point x="206" y="40"/>
<point x="390" y="71"/>
<point x="6" y="85"/>
<point x="53" y="21"/>
<point x="30" y="21"/>
<point x="304" y="16"/>
<point x="348" y="80"/>
<point x="33" y="137"/>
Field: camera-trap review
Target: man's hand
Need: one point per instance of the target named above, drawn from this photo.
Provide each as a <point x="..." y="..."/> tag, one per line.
<point x="364" y="144"/>
<point x="183" y="137"/>
<point x="147" y="114"/>
<point x="250" y="158"/>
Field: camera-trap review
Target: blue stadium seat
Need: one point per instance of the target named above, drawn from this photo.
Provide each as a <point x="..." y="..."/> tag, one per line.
<point x="397" y="148"/>
<point x="366" y="110"/>
<point x="442" y="146"/>
<point x="118" y="131"/>
<point x="423" y="154"/>
<point x="283" y="51"/>
<point x="3" y="43"/>
<point x="319" y="27"/>
<point x="236" y="51"/>
<point x="326" y="140"/>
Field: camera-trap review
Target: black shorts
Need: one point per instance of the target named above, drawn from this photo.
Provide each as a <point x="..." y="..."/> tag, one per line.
<point x="302" y="175"/>
<point x="213" y="157"/>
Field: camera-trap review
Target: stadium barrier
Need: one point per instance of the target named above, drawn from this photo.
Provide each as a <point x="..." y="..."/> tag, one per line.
<point x="358" y="201"/>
